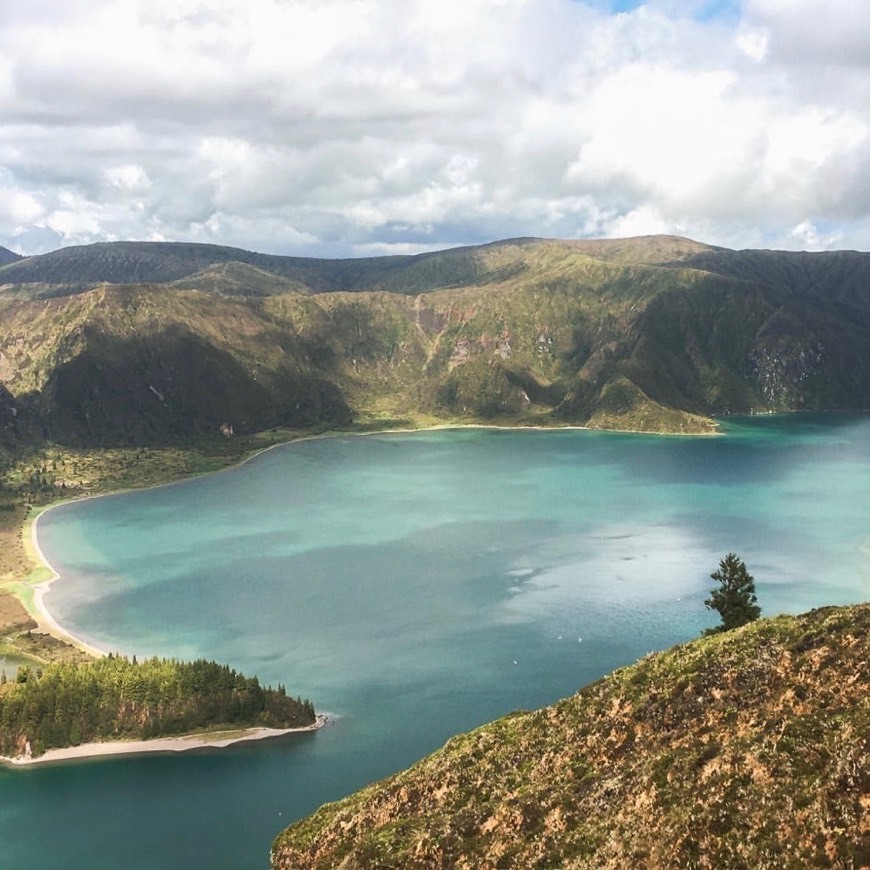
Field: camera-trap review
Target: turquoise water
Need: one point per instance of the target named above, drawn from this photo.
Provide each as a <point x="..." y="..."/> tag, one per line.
<point x="415" y="586"/>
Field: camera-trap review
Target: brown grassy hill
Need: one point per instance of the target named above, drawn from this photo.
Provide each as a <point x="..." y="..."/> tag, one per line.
<point x="749" y="749"/>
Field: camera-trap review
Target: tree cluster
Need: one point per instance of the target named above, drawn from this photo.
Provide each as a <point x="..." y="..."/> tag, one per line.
<point x="115" y="697"/>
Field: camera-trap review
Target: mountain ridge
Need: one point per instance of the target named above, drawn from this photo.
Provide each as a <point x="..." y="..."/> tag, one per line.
<point x="655" y="333"/>
<point x="79" y="267"/>
<point x="7" y="256"/>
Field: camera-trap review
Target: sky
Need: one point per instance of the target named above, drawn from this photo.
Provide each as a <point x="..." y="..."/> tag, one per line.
<point x="343" y="128"/>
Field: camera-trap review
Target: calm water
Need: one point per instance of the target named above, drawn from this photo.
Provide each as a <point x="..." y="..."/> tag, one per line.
<point x="416" y="586"/>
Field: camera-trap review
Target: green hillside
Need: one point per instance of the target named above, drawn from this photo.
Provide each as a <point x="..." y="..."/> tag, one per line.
<point x="157" y="343"/>
<point x="747" y="749"/>
<point x="7" y="256"/>
<point x="78" y="268"/>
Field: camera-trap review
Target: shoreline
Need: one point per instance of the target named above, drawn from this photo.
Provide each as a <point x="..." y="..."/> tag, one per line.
<point x="40" y="588"/>
<point x="44" y="615"/>
<point x="165" y="745"/>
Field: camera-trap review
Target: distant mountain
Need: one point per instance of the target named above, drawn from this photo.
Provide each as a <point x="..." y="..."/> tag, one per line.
<point x="7" y="256"/>
<point x="234" y="271"/>
<point x="746" y="749"/>
<point x="134" y="342"/>
<point x="220" y="269"/>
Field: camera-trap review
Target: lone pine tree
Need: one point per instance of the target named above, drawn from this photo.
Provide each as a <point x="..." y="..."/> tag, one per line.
<point x="734" y="599"/>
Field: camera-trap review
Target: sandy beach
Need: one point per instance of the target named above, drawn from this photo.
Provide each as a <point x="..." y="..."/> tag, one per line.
<point x="49" y="624"/>
<point x="185" y="743"/>
<point x="44" y="617"/>
<point x="181" y="743"/>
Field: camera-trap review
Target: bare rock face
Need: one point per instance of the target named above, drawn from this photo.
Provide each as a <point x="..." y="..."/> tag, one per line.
<point x="749" y="749"/>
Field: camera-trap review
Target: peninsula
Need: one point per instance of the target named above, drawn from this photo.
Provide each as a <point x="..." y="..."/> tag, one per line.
<point x="119" y="705"/>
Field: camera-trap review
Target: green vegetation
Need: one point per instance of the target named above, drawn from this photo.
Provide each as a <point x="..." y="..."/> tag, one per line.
<point x="128" y="364"/>
<point x="112" y="698"/>
<point x="746" y="748"/>
<point x="160" y="345"/>
<point x="7" y="256"/>
<point x="734" y="599"/>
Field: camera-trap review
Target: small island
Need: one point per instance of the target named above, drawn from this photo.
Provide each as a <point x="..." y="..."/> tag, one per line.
<point x="119" y="703"/>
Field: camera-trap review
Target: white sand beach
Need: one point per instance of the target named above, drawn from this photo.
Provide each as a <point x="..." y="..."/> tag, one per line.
<point x="184" y="743"/>
<point x="46" y="621"/>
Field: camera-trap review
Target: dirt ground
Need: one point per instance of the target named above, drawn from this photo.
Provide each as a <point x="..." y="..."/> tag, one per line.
<point x="14" y="565"/>
<point x="13" y="560"/>
<point x="13" y="617"/>
<point x="18" y="632"/>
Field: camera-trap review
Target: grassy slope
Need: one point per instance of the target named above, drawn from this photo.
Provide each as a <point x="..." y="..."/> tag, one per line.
<point x="743" y="750"/>
<point x="652" y="334"/>
<point x="7" y="256"/>
<point x="149" y="365"/>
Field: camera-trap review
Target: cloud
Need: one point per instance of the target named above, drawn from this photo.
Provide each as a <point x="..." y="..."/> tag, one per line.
<point x="804" y="33"/>
<point x="341" y="127"/>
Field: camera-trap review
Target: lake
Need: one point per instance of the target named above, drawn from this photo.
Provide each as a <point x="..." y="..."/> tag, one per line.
<point x="415" y="585"/>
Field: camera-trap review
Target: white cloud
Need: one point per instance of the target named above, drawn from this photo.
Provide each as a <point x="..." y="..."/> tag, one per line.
<point x="130" y="177"/>
<point x="643" y="221"/>
<point x="807" y="236"/>
<point x="18" y="208"/>
<point x="665" y="132"/>
<point x="806" y="31"/>
<point x="75" y="218"/>
<point x="342" y="126"/>
<point x="807" y="152"/>
<point x="753" y="42"/>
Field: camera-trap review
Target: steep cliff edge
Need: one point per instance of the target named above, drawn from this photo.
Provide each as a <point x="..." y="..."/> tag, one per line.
<point x="743" y="750"/>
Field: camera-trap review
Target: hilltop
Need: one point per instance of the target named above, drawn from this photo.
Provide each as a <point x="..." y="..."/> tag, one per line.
<point x="745" y="749"/>
<point x="7" y="256"/>
<point x="134" y="343"/>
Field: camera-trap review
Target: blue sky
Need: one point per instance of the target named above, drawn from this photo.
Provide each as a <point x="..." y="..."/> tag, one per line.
<point x="701" y="10"/>
<point x="357" y="127"/>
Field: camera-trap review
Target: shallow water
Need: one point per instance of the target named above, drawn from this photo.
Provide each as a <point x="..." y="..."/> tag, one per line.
<point x="416" y="585"/>
<point x="9" y="665"/>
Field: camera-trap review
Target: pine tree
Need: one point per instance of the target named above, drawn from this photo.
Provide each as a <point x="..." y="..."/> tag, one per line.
<point x="734" y="599"/>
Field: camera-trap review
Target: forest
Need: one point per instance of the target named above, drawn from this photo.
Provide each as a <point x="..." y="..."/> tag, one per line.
<point x="116" y="697"/>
